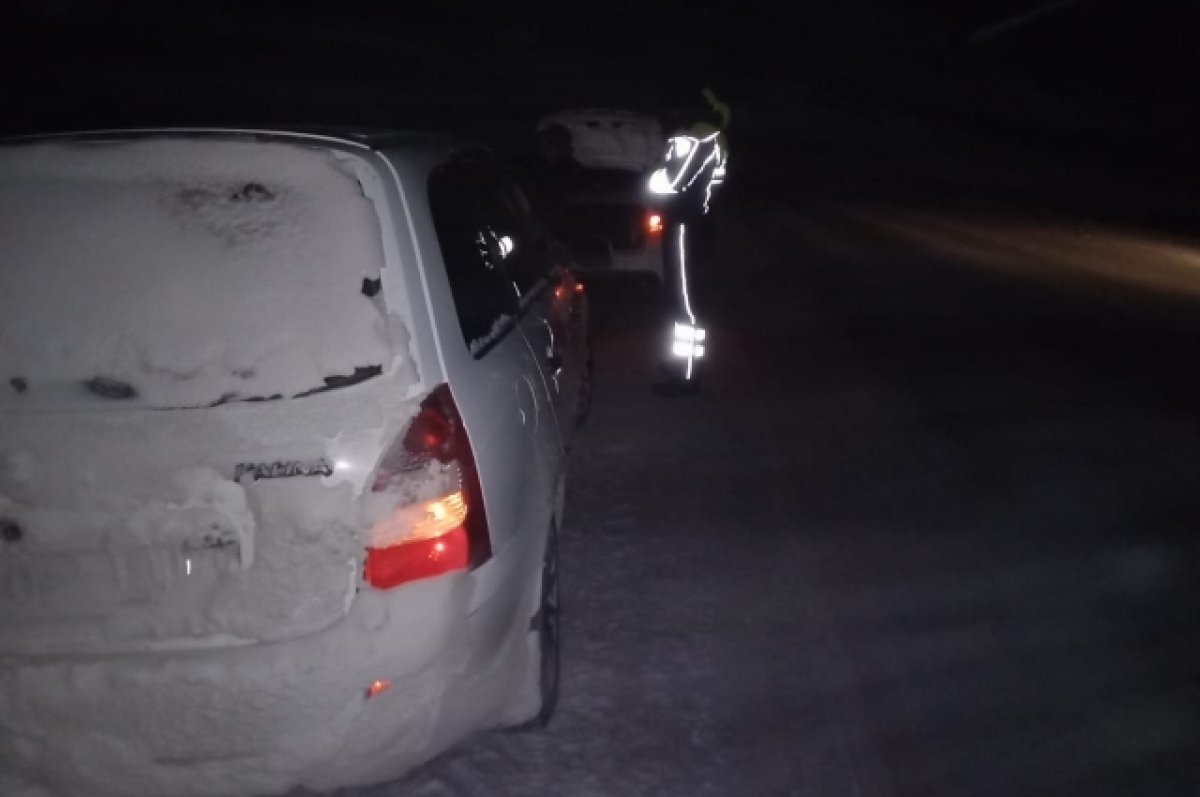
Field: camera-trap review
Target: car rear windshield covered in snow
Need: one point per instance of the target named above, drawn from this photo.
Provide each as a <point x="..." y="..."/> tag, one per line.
<point x="185" y="272"/>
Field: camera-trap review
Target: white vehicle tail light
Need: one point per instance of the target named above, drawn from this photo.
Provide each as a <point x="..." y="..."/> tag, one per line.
<point x="427" y="535"/>
<point x="654" y="223"/>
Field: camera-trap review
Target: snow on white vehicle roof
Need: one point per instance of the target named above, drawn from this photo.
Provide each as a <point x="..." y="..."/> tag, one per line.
<point x="176" y="268"/>
<point x="611" y="139"/>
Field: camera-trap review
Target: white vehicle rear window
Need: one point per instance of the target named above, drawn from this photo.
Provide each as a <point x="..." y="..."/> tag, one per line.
<point x="183" y="272"/>
<point x="611" y="139"/>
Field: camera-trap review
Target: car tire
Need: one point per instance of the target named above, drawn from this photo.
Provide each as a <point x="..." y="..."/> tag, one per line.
<point x="583" y="403"/>
<point x="547" y="624"/>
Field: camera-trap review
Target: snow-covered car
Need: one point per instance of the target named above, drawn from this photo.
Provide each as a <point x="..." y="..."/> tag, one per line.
<point x="605" y="204"/>
<point x="282" y="452"/>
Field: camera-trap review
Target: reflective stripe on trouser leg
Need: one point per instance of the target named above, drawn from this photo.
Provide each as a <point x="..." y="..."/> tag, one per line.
<point x="685" y="339"/>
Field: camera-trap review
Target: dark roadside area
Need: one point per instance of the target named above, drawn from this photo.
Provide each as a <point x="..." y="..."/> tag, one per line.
<point x="931" y="527"/>
<point x="928" y="529"/>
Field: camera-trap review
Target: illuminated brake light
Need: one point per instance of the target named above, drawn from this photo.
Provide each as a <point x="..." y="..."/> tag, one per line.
<point x="398" y="564"/>
<point x="579" y="287"/>
<point x="414" y="537"/>
<point x="654" y="223"/>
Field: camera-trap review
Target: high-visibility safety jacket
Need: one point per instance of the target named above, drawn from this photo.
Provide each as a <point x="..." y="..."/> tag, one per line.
<point x="695" y="163"/>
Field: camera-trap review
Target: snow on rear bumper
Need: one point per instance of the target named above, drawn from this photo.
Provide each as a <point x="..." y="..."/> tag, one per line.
<point x="252" y="720"/>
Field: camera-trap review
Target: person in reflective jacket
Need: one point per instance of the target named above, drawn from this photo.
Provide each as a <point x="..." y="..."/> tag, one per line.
<point x="693" y="167"/>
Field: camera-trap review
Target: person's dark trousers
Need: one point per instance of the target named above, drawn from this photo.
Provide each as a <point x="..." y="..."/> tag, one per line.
<point x="674" y="307"/>
<point x="675" y="303"/>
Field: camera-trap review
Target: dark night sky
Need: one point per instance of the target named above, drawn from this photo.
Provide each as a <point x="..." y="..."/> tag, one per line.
<point x="1112" y="76"/>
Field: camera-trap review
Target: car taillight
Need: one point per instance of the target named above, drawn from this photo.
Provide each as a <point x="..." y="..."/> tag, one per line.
<point x="561" y="291"/>
<point x="438" y="533"/>
<point x="654" y="223"/>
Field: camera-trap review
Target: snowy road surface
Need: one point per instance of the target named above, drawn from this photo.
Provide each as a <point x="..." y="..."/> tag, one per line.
<point x="928" y="531"/>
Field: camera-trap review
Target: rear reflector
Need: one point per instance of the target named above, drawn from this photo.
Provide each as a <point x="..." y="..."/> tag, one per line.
<point x="377" y="686"/>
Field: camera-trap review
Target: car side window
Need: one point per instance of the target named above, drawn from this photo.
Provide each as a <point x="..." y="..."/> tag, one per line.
<point x="474" y="249"/>
<point x="530" y="258"/>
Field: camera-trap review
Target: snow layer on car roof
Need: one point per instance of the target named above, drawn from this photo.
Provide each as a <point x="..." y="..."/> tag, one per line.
<point x="188" y="270"/>
<point x="611" y="139"/>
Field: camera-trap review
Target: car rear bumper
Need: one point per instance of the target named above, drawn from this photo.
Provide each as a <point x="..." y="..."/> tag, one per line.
<point x="647" y="261"/>
<point x="257" y="719"/>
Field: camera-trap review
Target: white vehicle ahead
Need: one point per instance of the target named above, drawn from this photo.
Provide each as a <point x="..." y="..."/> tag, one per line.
<point x="282" y="457"/>
<point x="606" y="200"/>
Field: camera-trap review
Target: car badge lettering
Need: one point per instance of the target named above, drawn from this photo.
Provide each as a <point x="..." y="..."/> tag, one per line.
<point x="282" y="469"/>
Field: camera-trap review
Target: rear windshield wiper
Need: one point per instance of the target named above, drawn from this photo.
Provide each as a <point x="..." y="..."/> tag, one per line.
<point x="109" y="388"/>
<point x="229" y="397"/>
<point x="361" y="374"/>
